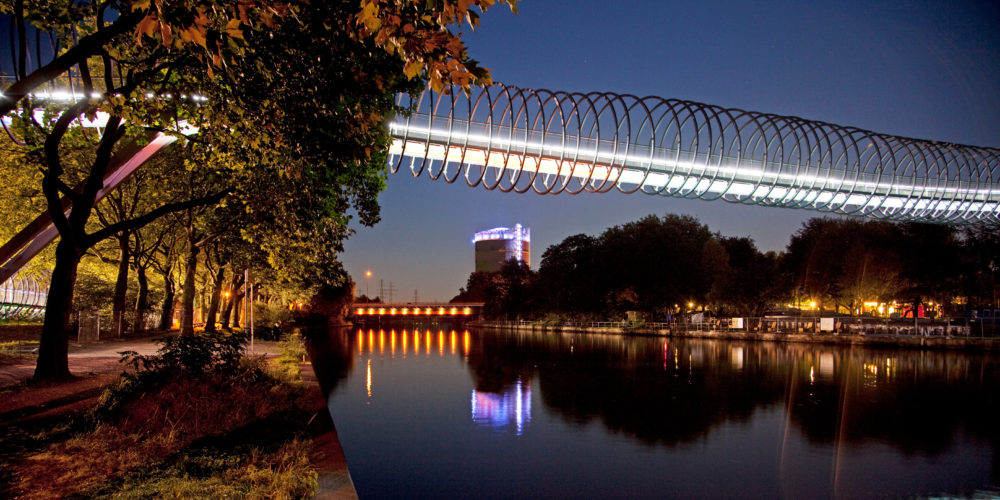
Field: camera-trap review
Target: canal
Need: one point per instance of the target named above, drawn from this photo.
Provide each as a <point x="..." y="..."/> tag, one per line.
<point x="465" y="413"/>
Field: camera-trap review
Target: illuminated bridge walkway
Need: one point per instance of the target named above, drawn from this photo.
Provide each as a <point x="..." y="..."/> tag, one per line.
<point x="521" y="140"/>
<point x="22" y="298"/>
<point x="416" y="310"/>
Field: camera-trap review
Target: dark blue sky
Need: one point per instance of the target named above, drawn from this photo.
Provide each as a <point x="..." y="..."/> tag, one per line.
<point x="928" y="70"/>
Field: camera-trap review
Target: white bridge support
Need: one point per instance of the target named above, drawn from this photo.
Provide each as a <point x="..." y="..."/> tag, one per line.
<point x="514" y="139"/>
<point x="31" y="240"/>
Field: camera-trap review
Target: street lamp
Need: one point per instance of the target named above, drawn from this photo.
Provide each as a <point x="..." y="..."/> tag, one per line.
<point x="368" y="274"/>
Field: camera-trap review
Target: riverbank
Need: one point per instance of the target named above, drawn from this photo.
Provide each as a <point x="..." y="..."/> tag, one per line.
<point x="36" y="417"/>
<point x="881" y="341"/>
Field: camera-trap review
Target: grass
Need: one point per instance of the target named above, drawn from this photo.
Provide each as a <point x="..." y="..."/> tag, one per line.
<point x="182" y="425"/>
<point x="17" y="346"/>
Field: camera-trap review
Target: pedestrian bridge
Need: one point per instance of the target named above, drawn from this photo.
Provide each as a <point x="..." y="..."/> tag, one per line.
<point x="549" y="142"/>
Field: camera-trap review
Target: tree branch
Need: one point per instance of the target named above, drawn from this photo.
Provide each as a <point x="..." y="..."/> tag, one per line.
<point x="52" y="185"/>
<point x="87" y="46"/>
<point x="142" y="220"/>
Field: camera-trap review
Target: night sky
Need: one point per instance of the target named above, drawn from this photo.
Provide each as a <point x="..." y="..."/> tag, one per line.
<point x="928" y="70"/>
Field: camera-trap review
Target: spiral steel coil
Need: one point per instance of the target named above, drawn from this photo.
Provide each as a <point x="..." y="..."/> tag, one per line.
<point x="22" y="297"/>
<point x="550" y="142"/>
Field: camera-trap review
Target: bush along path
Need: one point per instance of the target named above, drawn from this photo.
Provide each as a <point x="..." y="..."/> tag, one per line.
<point x="197" y="419"/>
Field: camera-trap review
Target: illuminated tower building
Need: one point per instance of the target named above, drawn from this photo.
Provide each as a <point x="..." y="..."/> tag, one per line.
<point x="500" y="244"/>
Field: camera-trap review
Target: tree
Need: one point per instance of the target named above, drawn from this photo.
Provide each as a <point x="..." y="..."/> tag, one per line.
<point x="747" y="286"/>
<point x="981" y="265"/>
<point x="215" y="48"/>
<point x="664" y="262"/>
<point x="931" y="263"/>
<point x="507" y="293"/>
<point x="569" y="275"/>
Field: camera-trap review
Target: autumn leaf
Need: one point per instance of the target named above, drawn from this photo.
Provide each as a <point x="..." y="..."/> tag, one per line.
<point x="412" y="69"/>
<point x="149" y="25"/>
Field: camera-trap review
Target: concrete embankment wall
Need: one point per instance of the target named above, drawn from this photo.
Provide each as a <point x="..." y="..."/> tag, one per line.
<point x="883" y="341"/>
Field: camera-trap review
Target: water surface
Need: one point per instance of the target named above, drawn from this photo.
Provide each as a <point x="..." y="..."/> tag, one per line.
<point x="478" y="414"/>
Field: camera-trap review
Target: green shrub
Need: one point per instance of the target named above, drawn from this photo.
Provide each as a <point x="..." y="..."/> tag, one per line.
<point x="293" y="353"/>
<point x="188" y="357"/>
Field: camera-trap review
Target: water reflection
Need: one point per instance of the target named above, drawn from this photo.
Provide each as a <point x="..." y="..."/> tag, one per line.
<point x="511" y="408"/>
<point x="847" y="421"/>
<point x="423" y="342"/>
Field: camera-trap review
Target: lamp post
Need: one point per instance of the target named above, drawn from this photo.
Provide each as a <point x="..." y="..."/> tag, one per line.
<point x="368" y="275"/>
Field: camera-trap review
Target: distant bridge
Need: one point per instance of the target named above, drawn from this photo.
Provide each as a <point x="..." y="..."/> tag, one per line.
<point x="417" y="309"/>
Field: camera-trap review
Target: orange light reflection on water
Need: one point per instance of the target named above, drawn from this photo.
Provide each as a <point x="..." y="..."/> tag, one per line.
<point x="367" y="342"/>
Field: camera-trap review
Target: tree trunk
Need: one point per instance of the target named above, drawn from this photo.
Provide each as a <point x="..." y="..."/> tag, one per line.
<point x="187" y="301"/>
<point x="237" y="309"/>
<point x="167" y="311"/>
<point x="213" y="309"/>
<point x="53" y="363"/>
<point x="141" y="301"/>
<point x="121" y="287"/>
<point x="227" y="311"/>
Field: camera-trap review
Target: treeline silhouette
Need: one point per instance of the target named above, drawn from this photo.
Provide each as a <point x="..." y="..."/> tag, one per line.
<point x="663" y="266"/>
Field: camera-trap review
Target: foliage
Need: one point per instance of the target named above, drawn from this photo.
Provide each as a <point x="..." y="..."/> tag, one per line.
<point x="656" y="264"/>
<point x="289" y="99"/>
<point x="507" y="293"/>
<point x="240" y="473"/>
<point x="418" y="32"/>
<point x="95" y="291"/>
<point x="175" y="432"/>
<point x="193" y="358"/>
<point x="194" y="355"/>
<point x="273" y="314"/>
<point x="749" y="282"/>
<point x="293" y="353"/>
<point x="196" y="419"/>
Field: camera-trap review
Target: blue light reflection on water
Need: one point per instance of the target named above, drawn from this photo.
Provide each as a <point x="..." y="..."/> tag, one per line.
<point x="502" y="415"/>
<point x="501" y="411"/>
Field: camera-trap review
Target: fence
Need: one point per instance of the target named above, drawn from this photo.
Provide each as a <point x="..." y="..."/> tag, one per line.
<point x="95" y="325"/>
<point x="773" y="324"/>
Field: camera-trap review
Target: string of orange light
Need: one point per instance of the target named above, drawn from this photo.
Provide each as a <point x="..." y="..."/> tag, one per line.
<point x="415" y="311"/>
